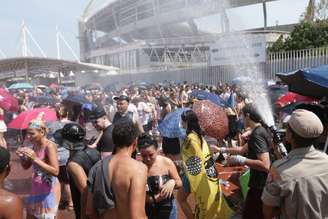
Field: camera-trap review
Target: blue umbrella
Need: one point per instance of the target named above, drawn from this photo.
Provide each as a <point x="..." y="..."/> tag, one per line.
<point x="170" y="126"/>
<point x="76" y="99"/>
<point x="311" y="82"/>
<point x="21" y="86"/>
<point x="204" y="95"/>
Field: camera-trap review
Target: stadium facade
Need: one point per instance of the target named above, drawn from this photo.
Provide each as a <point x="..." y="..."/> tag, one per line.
<point x="141" y="36"/>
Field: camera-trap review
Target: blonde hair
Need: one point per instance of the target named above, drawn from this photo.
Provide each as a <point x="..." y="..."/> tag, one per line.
<point x="39" y="123"/>
<point x="61" y="112"/>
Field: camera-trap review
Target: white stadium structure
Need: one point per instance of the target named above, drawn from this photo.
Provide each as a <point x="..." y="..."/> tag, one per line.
<point x="140" y="36"/>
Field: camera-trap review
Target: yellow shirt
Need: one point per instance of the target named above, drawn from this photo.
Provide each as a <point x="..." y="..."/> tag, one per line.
<point x="204" y="183"/>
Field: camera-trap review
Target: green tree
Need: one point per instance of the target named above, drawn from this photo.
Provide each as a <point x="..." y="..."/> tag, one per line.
<point x="306" y="35"/>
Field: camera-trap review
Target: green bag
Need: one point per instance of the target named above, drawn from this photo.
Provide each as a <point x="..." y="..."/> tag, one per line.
<point x="243" y="181"/>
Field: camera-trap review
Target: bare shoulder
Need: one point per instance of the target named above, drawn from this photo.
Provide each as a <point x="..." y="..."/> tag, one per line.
<point x="128" y="165"/>
<point x="138" y="166"/>
<point x="166" y="160"/>
<point x="51" y="145"/>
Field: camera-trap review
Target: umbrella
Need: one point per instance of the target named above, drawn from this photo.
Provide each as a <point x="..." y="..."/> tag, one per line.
<point x="44" y="100"/>
<point x="312" y="82"/>
<point x="21" y="86"/>
<point x="292" y="97"/>
<point x="288" y="109"/>
<point x="7" y="101"/>
<point x="204" y="95"/>
<point x="212" y="118"/>
<point x="41" y="86"/>
<point x="170" y="126"/>
<point x="276" y="91"/>
<point x="76" y="99"/>
<point x="22" y="120"/>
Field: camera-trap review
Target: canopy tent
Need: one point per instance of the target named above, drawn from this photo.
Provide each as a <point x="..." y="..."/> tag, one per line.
<point x="33" y="66"/>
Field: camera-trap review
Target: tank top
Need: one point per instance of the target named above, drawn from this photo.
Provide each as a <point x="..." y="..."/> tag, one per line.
<point x="126" y="117"/>
<point x="86" y="158"/>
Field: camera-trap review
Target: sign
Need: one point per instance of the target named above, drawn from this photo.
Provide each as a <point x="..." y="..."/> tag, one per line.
<point x="236" y="48"/>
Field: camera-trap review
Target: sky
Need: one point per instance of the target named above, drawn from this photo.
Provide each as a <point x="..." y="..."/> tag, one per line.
<point x="42" y="16"/>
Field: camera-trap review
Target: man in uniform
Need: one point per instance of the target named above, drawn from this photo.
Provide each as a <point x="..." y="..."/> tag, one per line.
<point x="297" y="186"/>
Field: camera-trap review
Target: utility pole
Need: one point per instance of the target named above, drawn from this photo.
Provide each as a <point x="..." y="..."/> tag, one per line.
<point x="265" y="14"/>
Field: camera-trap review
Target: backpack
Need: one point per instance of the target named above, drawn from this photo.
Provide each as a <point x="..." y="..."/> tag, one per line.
<point x="103" y="196"/>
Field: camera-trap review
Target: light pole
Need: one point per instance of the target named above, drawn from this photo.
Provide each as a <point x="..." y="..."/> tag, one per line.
<point x="265" y="14"/>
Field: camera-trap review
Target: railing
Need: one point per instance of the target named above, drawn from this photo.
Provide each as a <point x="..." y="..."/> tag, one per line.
<point x="292" y="60"/>
<point x="201" y="72"/>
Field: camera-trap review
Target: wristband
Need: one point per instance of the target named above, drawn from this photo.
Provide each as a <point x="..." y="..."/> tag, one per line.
<point x="241" y="159"/>
<point x="237" y="159"/>
<point x="223" y="150"/>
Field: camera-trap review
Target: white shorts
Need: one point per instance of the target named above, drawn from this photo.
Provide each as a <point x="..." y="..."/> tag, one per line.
<point x="3" y="127"/>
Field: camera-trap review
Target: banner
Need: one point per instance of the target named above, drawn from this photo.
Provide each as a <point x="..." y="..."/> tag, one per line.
<point x="237" y="48"/>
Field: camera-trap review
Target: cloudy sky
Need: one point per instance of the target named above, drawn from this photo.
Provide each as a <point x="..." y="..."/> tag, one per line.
<point x="42" y="17"/>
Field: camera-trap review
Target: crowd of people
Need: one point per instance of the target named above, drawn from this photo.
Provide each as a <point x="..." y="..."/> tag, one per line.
<point x="104" y="157"/>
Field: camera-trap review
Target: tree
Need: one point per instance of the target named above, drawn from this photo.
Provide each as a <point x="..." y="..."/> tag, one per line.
<point x="308" y="15"/>
<point x="321" y="10"/>
<point x="315" y="11"/>
<point x="306" y="35"/>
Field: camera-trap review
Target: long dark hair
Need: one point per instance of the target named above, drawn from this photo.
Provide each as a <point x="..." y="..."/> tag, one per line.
<point x="191" y="119"/>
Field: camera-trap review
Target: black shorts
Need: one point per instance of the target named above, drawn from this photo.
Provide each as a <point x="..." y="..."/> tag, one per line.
<point x="171" y="146"/>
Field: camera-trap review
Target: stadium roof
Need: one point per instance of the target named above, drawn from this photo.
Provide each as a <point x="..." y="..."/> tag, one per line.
<point x="35" y="66"/>
<point x="95" y="6"/>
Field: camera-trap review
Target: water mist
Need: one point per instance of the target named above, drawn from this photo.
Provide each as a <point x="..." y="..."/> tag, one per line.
<point x="242" y="57"/>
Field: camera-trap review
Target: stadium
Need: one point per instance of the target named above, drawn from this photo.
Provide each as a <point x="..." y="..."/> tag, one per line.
<point x="147" y="36"/>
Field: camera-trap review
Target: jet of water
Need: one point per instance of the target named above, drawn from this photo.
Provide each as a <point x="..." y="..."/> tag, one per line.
<point x="244" y="66"/>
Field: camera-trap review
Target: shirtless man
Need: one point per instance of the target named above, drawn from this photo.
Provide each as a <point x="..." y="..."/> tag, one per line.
<point x="128" y="177"/>
<point x="11" y="206"/>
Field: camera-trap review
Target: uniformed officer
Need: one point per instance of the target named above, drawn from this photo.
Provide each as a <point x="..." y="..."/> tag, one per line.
<point x="297" y="186"/>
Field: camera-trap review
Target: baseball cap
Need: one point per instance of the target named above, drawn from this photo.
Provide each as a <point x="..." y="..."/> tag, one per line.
<point x="122" y="97"/>
<point x="4" y="158"/>
<point x="96" y="113"/>
<point x="305" y="123"/>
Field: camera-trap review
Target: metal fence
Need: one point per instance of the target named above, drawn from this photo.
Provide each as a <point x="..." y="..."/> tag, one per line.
<point x="275" y="62"/>
<point x="297" y="59"/>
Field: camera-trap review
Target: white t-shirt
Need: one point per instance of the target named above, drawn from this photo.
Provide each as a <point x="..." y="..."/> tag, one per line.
<point x="144" y="111"/>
